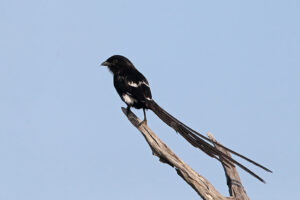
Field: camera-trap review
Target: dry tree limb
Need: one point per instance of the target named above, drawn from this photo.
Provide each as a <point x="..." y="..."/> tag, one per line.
<point x="200" y="184"/>
<point x="236" y="189"/>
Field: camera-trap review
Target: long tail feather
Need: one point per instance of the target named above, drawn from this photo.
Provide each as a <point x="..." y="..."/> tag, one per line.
<point x="198" y="140"/>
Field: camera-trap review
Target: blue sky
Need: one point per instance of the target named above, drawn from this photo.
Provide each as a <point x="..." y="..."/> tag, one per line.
<point x="228" y="67"/>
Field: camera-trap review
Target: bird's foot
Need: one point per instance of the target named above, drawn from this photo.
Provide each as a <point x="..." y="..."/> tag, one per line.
<point x="142" y="122"/>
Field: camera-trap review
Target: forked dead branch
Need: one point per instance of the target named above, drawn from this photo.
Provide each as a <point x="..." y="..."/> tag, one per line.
<point x="200" y="184"/>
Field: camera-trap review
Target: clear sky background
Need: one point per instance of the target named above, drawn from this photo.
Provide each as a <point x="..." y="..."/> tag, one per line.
<point x="228" y="67"/>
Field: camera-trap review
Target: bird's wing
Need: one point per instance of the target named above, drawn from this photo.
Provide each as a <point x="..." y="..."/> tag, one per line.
<point x="137" y="86"/>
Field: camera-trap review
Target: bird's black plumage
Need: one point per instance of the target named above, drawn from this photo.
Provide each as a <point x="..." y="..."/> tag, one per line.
<point x="131" y="85"/>
<point x="134" y="90"/>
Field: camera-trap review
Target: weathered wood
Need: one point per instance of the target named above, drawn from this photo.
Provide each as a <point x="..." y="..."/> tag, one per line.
<point x="234" y="183"/>
<point x="200" y="184"/>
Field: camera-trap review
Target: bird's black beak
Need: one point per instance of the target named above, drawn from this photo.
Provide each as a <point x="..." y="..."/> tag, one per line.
<point x="105" y="63"/>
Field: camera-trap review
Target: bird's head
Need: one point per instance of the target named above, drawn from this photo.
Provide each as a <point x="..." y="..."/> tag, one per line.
<point x="117" y="63"/>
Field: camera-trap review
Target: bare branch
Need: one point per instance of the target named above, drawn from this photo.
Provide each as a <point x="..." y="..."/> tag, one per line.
<point x="236" y="189"/>
<point x="200" y="184"/>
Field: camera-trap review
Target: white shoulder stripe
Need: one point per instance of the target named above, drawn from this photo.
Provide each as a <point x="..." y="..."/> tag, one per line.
<point x="133" y="84"/>
<point x="145" y="84"/>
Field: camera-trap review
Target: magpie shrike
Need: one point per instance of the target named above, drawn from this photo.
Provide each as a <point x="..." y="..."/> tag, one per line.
<point x="134" y="90"/>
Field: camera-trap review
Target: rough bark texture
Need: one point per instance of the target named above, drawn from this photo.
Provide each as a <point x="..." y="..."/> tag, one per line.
<point x="234" y="183"/>
<point x="200" y="184"/>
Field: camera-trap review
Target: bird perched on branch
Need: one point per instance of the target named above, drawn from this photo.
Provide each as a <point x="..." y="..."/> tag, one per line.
<point x="134" y="90"/>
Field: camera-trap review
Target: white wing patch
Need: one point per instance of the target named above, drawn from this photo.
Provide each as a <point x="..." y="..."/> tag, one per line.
<point x="128" y="99"/>
<point x="145" y="83"/>
<point x="133" y="84"/>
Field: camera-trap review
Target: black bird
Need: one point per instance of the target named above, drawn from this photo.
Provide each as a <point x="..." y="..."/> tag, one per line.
<point x="134" y="90"/>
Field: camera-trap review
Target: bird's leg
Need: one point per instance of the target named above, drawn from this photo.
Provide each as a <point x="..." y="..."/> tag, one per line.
<point x="145" y="118"/>
<point x="127" y="110"/>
